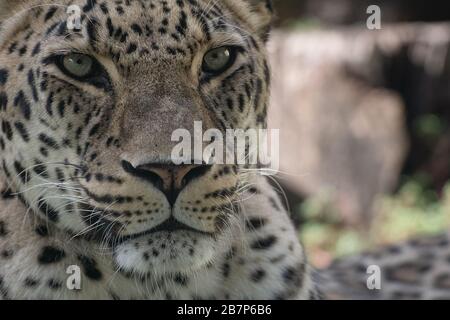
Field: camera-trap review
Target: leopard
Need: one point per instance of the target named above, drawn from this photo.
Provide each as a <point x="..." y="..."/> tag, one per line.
<point x="92" y="204"/>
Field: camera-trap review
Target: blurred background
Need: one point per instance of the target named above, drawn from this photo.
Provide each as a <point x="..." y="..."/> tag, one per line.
<point x="365" y="121"/>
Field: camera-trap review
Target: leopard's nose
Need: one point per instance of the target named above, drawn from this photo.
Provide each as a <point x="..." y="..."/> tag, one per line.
<point x="170" y="179"/>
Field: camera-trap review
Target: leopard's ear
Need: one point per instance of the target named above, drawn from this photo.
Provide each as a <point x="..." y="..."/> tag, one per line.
<point x="261" y="14"/>
<point x="265" y="13"/>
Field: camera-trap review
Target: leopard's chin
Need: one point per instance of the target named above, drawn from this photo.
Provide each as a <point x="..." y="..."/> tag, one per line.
<point x="166" y="252"/>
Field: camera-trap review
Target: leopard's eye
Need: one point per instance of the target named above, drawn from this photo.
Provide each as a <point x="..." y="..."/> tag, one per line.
<point x="82" y="68"/>
<point x="217" y="61"/>
<point x="78" y="65"/>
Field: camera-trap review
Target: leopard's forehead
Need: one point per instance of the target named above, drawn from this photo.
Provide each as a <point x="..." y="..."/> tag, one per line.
<point x="138" y="28"/>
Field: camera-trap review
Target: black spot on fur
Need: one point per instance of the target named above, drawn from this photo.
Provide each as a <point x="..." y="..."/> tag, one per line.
<point x="3" y="230"/>
<point x="3" y="101"/>
<point x="61" y="108"/>
<point x="3" y="76"/>
<point x="30" y="282"/>
<point x="54" y="284"/>
<point x="258" y="275"/>
<point x="136" y="28"/>
<point x="94" y="130"/>
<point x="104" y="8"/>
<point x="131" y="48"/>
<point x="50" y="255"/>
<point x="182" y="280"/>
<point x="40" y="169"/>
<point x="226" y="270"/>
<point x="264" y="243"/>
<point x="47" y="210"/>
<point x="92" y="31"/>
<point x="120" y="10"/>
<point x="22" y="103"/>
<point x="21" y="172"/>
<point x="90" y="4"/>
<point x="48" y="141"/>
<point x="90" y="268"/>
<point x="7" y="130"/>
<point x="255" y="223"/>
<point x="42" y="231"/>
<point x="6" y="254"/>
<point x="294" y="276"/>
<point x="50" y="13"/>
<point x="274" y="204"/>
<point x="155" y="253"/>
<point x="20" y="127"/>
<point x="6" y="194"/>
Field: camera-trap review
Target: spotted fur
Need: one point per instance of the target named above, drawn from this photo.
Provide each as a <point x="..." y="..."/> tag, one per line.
<point x="67" y="149"/>
<point x="416" y="270"/>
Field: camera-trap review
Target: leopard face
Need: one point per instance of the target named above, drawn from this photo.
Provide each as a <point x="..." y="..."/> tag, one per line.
<point x="87" y="117"/>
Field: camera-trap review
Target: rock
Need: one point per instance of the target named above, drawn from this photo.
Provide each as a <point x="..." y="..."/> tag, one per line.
<point x="341" y="134"/>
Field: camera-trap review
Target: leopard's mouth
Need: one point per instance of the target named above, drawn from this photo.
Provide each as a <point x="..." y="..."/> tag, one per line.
<point x="106" y="230"/>
<point x="171" y="225"/>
